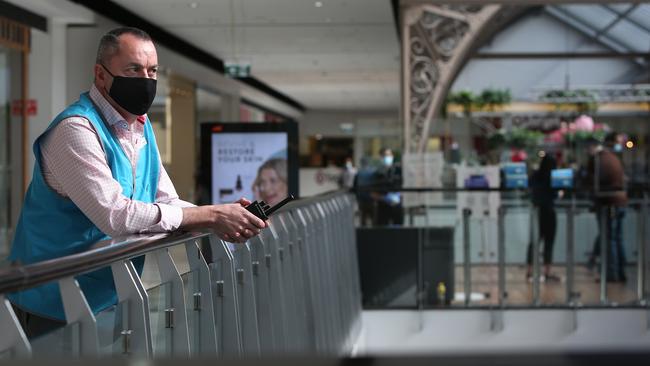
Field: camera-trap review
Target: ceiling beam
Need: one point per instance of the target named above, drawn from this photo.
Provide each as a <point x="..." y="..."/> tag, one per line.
<point x="632" y="21"/>
<point x="577" y="23"/>
<point x="559" y="55"/>
<point x="514" y="2"/>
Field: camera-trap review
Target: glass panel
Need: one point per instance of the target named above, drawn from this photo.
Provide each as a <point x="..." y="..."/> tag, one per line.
<point x="160" y="119"/>
<point x="60" y="342"/>
<point x="593" y="15"/>
<point x="641" y="15"/>
<point x="159" y="301"/>
<point x="208" y="106"/>
<point x="191" y="285"/>
<point x="619" y="7"/>
<point x="109" y="327"/>
<point x="630" y="35"/>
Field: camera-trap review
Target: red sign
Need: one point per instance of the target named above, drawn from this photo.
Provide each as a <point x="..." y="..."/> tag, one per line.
<point x="17" y="107"/>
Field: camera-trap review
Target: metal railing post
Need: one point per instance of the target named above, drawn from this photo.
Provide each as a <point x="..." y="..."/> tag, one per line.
<point x="246" y="300"/>
<point x="467" y="269"/>
<point x="222" y="273"/>
<point x="136" y="325"/>
<point x="175" y="308"/>
<point x="78" y="312"/>
<point x="604" y="238"/>
<point x="641" y="250"/>
<point x="262" y="287"/>
<point x="12" y="337"/>
<point x="203" y="307"/>
<point x="534" y="240"/>
<point x="570" y="252"/>
<point x="501" y="255"/>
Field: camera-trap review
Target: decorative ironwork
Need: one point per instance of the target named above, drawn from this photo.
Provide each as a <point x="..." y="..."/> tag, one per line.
<point x="436" y="40"/>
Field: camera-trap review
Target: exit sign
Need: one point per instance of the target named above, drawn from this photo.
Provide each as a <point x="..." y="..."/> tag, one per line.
<point x="237" y="69"/>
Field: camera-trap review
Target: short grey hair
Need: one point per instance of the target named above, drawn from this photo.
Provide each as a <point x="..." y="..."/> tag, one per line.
<point x="109" y="45"/>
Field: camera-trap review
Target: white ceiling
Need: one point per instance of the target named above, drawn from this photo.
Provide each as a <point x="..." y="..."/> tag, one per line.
<point x="343" y="55"/>
<point x="62" y="11"/>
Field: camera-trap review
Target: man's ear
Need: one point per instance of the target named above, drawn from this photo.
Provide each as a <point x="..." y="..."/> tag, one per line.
<point x="100" y="74"/>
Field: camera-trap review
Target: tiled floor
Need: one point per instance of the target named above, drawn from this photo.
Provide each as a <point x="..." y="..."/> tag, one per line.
<point x="520" y="290"/>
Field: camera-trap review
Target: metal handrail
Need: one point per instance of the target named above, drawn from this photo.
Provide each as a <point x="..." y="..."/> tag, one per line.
<point x="229" y="289"/>
<point x="103" y="253"/>
<point x="21" y="277"/>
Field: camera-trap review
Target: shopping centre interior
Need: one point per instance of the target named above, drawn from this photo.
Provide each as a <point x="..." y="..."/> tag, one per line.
<point x="449" y="160"/>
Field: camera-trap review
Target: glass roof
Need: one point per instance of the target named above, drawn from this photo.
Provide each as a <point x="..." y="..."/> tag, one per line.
<point x="621" y="27"/>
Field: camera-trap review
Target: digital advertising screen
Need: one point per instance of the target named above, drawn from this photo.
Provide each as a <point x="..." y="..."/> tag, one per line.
<point x="561" y="178"/>
<point x="257" y="161"/>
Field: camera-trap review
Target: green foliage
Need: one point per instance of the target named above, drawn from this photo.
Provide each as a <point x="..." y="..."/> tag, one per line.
<point x="584" y="101"/>
<point x="520" y="138"/>
<point x="490" y="98"/>
<point x="493" y="98"/>
<point x="464" y="98"/>
<point x="581" y="137"/>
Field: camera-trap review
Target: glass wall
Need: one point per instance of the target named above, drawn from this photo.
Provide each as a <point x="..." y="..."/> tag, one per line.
<point x="159" y="117"/>
<point x="208" y="106"/>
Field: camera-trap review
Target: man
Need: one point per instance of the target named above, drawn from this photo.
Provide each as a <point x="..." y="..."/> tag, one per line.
<point x="349" y="173"/>
<point x="389" y="204"/>
<point x="606" y="179"/>
<point x="98" y="174"/>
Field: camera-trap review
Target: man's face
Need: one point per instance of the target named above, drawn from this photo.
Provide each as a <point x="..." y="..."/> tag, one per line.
<point x="135" y="58"/>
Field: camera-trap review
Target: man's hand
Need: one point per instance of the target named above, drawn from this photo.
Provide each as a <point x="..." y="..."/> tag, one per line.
<point x="231" y="222"/>
<point x="243" y="201"/>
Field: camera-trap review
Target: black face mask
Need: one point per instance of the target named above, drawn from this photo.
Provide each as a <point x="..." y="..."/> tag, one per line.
<point x="135" y="94"/>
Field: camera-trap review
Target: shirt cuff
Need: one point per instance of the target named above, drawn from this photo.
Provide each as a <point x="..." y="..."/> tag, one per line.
<point x="171" y="217"/>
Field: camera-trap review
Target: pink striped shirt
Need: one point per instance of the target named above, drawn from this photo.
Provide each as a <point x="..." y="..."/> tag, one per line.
<point x="74" y="165"/>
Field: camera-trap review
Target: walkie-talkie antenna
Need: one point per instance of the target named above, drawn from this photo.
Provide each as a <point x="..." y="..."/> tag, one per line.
<point x="280" y="204"/>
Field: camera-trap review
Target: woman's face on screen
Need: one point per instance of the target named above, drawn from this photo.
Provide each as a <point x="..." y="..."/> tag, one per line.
<point x="272" y="188"/>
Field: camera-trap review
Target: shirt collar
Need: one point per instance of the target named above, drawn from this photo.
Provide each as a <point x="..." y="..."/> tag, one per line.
<point x="112" y="116"/>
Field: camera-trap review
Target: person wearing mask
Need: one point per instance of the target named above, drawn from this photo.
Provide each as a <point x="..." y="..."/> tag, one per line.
<point x="606" y="181"/>
<point x="543" y="196"/>
<point x="363" y="180"/>
<point x="348" y="175"/>
<point x="98" y="174"/>
<point x="389" y="203"/>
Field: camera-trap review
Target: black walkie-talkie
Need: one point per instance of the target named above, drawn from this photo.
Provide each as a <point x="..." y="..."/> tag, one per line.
<point x="262" y="210"/>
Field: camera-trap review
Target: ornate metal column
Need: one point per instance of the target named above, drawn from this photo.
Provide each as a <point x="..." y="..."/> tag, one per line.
<point x="436" y="42"/>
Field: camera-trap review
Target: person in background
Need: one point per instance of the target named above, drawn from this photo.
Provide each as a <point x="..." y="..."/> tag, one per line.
<point x="348" y="175"/>
<point x="606" y="181"/>
<point x="98" y="175"/>
<point x="389" y="203"/>
<point x="543" y="196"/>
<point x="270" y="185"/>
<point x="364" y="179"/>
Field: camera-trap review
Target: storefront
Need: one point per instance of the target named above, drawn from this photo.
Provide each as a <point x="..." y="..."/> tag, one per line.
<point x="14" y="111"/>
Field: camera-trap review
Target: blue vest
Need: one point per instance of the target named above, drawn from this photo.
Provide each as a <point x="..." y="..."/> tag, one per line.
<point x="51" y="226"/>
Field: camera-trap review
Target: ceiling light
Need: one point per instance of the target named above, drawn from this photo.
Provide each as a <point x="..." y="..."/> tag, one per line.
<point x="318" y="4"/>
<point x="193" y="5"/>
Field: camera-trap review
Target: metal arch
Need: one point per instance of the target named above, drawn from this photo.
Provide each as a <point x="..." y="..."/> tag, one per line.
<point x="436" y="42"/>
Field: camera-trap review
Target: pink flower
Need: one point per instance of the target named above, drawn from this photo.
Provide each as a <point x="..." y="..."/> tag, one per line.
<point x="555" y="136"/>
<point x="584" y="123"/>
